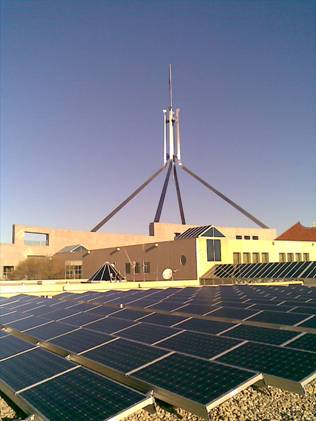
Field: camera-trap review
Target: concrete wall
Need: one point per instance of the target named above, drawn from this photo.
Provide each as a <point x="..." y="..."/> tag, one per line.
<point x="250" y="246"/>
<point x="13" y="254"/>
<point x="166" y="254"/>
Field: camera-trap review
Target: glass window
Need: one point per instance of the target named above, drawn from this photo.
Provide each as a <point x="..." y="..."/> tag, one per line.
<point x="36" y="239"/>
<point x="246" y="257"/>
<point x="7" y="270"/>
<point x="183" y="260"/>
<point x="247" y="237"/>
<point x="213" y="250"/>
<point x="146" y="267"/>
<point x="127" y="268"/>
<point x="73" y="271"/>
<point x="212" y="232"/>
<point x="238" y="237"/>
<point x="306" y="257"/>
<point x="255" y="257"/>
<point x="265" y="257"/>
<point x="137" y="267"/>
<point x="282" y="257"/>
<point x="255" y="237"/>
<point x="236" y="258"/>
<point x="290" y="257"/>
<point x="298" y="257"/>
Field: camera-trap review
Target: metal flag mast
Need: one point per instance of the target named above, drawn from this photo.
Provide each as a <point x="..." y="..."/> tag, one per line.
<point x="172" y="158"/>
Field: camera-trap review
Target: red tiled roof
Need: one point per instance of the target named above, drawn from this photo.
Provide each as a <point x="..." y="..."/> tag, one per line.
<point x="298" y="233"/>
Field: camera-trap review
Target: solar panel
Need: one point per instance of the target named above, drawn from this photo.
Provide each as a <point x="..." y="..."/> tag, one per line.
<point x="81" y="319"/>
<point x="280" y="362"/>
<point x="109" y="325"/>
<point x="49" y="331"/>
<point x="306" y="342"/>
<point x="260" y="334"/>
<point x="82" y="395"/>
<point x="147" y="333"/>
<point x="124" y="355"/>
<point x="311" y="323"/>
<point x="305" y="310"/>
<point x="167" y="306"/>
<point x="103" y="310"/>
<point x="10" y="345"/>
<point x="197" y="380"/>
<point x="202" y="325"/>
<point x="31" y="367"/>
<point x="195" y="309"/>
<point x="28" y="323"/>
<point x="199" y="344"/>
<point x="232" y="313"/>
<point x="130" y="314"/>
<point x="81" y="340"/>
<point x="163" y="319"/>
<point x="59" y="314"/>
<point x="277" y="317"/>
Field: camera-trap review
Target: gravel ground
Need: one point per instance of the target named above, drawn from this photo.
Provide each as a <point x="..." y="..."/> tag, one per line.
<point x="265" y="404"/>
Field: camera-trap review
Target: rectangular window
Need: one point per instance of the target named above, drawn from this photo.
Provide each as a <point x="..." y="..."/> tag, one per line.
<point x="7" y="270"/>
<point x="73" y="271"/>
<point x="265" y="257"/>
<point x="236" y="258"/>
<point x="255" y="237"/>
<point x="306" y="257"/>
<point x="246" y="258"/>
<point x="238" y="237"/>
<point x="127" y="268"/>
<point x="247" y="237"/>
<point x="137" y="267"/>
<point x="298" y="257"/>
<point x="282" y="257"/>
<point x="36" y="239"/>
<point x="255" y="257"/>
<point x="214" y="253"/>
<point x="146" y="267"/>
<point x="290" y="257"/>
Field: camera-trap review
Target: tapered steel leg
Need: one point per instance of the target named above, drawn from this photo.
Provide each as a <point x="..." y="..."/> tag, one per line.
<point x="163" y="193"/>
<point x="179" y="195"/>
<point x="127" y="200"/>
<point x="222" y="196"/>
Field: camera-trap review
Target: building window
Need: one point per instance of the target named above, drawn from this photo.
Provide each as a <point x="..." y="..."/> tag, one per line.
<point x="236" y="258"/>
<point x="255" y="257"/>
<point x="247" y="237"/>
<point x="137" y="267"/>
<point x="282" y="257"/>
<point x="298" y="257"/>
<point x="290" y="257"/>
<point x="246" y="257"/>
<point x="238" y="237"/>
<point x="127" y="268"/>
<point x="146" y="267"/>
<point x="265" y="257"/>
<point x="176" y="234"/>
<point x="73" y="271"/>
<point x="213" y="248"/>
<point x="183" y="260"/>
<point x="306" y="257"/>
<point x="7" y="270"/>
<point x="36" y="239"/>
<point x="255" y="237"/>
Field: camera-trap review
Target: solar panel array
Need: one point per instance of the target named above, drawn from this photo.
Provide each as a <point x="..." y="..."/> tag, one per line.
<point x="191" y="347"/>
<point x="286" y="270"/>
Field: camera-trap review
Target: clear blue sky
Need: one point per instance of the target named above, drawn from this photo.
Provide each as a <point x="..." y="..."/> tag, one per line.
<point x="83" y="85"/>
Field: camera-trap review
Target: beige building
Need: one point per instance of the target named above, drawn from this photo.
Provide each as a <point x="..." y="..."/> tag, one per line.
<point x="183" y="252"/>
<point x="194" y="250"/>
